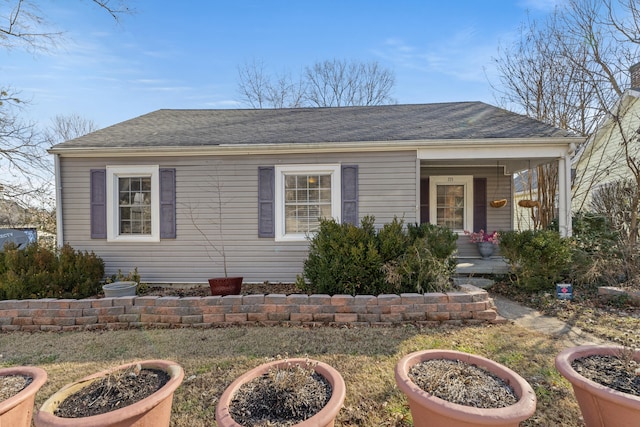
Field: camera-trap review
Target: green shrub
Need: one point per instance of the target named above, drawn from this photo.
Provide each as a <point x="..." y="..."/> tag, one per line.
<point x="39" y="272"/>
<point x="343" y="258"/>
<point x="538" y="259"/>
<point x="346" y="259"/>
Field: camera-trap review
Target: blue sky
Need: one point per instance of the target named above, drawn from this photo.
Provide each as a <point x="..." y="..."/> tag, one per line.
<point x="185" y="54"/>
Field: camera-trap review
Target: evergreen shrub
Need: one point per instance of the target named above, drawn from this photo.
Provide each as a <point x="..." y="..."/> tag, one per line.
<point x="40" y="272"/>
<point x="347" y="259"/>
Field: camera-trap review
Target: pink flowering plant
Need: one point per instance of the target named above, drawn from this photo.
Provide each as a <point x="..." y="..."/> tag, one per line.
<point x="482" y="236"/>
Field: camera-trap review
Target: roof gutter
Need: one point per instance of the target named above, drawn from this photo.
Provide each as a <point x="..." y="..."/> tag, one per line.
<point x="292" y="148"/>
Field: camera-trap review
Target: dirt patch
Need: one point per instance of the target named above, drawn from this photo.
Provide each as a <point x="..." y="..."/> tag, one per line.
<point x="10" y="385"/>
<point x="115" y="391"/>
<point x="610" y="371"/>
<point x="461" y="383"/>
<point x="204" y="291"/>
<point x="281" y="397"/>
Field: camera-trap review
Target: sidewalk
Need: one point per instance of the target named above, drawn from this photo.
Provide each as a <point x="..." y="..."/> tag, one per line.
<point x="536" y="321"/>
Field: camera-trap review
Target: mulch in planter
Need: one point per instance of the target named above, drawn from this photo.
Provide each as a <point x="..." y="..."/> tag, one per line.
<point x="114" y="391"/>
<point x="10" y="385"/>
<point x="282" y="397"/>
<point x="614" y="372"/>
<point x="461" y="383"/>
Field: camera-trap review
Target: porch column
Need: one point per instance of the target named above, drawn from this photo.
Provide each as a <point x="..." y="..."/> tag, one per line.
<point x="564" y="196"/>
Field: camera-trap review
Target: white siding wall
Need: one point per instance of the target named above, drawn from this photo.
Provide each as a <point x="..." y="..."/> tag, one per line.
<point x="387" y="187"/>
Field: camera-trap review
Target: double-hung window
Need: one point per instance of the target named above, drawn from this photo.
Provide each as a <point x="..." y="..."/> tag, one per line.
<point x="304" y="195"/>
<point x="133" y="206"/>
<point x="451" y="201"/>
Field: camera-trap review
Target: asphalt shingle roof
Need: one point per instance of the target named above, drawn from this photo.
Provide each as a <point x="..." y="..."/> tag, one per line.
<point x="195" y="128"/>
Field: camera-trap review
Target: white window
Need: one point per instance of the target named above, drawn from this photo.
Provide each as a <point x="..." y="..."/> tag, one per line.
<point x="133" y="204"/>
<point x="304" y="194"/>
<point x="451" y="201"/>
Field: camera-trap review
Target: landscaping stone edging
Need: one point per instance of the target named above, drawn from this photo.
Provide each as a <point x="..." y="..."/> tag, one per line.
<point x="470" y="305"/>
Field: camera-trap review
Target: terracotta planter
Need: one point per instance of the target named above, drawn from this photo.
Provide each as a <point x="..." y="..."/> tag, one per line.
<point x="17" y="410"/>
<point x="154" y="410"/>
<point x="428" y="410"/>
<point x="601" y="406"/>
<point x="225" y="285"/>
<point x="324" y="418"/>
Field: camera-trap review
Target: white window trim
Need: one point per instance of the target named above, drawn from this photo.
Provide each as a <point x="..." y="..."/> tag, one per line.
<point x="281" y="172"/>
<point x="467" y="182"/>
<point x="115" y="172"/>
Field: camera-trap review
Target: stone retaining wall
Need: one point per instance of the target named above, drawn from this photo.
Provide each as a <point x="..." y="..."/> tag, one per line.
<point x="470" y="305"/>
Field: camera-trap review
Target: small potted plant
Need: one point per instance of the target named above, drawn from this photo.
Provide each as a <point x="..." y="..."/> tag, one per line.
<point x="472" y="371"/>
<point x="603" y="379"/>
<point x="485" y="242"/>
<point x="16" y="408"/>
<point x="148" y="387"/>
<point x="272" y="392"/>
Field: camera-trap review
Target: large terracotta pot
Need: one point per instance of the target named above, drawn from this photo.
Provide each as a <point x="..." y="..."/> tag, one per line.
<point x="152" y="411"/>
<point x="324" y="418"/>
<point x="428" y="410"/>
<point x="225" y="285"/>
<point x="17" y="410"/>
<point x="601" y="406"/>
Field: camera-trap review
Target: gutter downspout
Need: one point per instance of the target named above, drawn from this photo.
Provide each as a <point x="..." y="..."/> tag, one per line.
<point x="58" y="180"/>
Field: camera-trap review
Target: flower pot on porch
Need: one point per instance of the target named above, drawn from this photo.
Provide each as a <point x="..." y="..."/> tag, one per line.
<point x="600" y="405"/>
<point x="324" y="418"/>
<point x="17" y="410"/>
<point x="429" y="410"/>
<point x="154" y="410"/>
<point x="225" y="285"/>
<point x="486" y="249"/>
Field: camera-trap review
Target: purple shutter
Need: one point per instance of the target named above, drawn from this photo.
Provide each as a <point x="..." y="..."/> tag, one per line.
<point x="350" y="194"/>
<point x="98" y="201"/>
<point x="424" y="200"/>
<point x="266" y="201"/>
<point x="167" y="203"/>
<point x="479" y="204"/>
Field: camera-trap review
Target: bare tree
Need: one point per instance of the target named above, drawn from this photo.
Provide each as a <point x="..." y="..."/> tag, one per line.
<point x="571" y="70"/>
<point x="259" y="90"/>
<point x="63" y="128"/>
<point x="24" y="25"/>
<point x="26" y="167"/>
<point x="333" y="83"/>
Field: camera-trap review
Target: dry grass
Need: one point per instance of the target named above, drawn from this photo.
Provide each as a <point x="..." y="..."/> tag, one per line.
<point x="366" y="357"/>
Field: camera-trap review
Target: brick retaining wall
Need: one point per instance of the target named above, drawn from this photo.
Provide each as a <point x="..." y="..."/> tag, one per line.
<point x="470" y="305"/>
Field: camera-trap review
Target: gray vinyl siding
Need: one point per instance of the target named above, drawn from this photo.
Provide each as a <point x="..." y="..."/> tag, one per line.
<point x="498" y="187"/>
<point x="387" y="187"/>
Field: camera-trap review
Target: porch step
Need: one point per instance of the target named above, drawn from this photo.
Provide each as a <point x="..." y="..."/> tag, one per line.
<point x="495" y="265"/>
<point x="479" y="282"/>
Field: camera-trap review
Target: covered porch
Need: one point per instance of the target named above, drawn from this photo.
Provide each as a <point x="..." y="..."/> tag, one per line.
<point x="459" y="180"/>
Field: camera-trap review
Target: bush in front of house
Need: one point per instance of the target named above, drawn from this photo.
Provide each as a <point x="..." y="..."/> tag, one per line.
<point x="538" y="258"/>
<point x="347" y="259"/>
<point x="40" y="272"/>
<point x="600" y="254"/>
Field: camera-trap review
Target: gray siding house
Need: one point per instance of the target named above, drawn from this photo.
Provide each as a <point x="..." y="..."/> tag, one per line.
<point x="182" y="194"/>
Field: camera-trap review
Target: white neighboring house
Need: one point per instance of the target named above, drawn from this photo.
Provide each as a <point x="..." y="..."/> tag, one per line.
<point x="602" y="159"/>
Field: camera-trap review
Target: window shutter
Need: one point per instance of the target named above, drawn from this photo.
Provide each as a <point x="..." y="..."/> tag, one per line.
<point x="350" y="194"/>
<point x="167" y="203"/>
<point x="479" y="204"/>
<point x="266" y="201"/>
<point x="424" y="200"/>
<point x="98" y="201"/>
